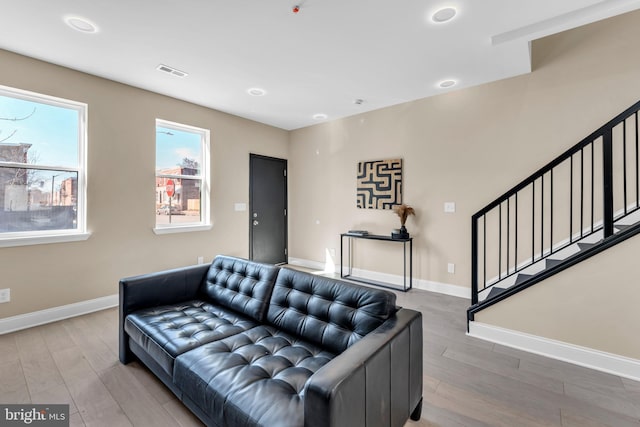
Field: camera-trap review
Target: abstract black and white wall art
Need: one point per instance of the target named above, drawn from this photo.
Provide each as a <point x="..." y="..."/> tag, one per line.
<point x="379" y="184"/>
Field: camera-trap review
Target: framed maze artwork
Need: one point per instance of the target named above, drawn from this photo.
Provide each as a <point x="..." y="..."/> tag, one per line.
<point x="379" y="184"/>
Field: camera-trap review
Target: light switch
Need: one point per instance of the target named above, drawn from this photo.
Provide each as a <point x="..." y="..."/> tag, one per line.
<point x="240" y="207"/>
<point x="449" y="207"/>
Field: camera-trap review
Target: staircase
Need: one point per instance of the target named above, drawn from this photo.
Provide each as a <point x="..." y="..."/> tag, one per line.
<point x="581" y="203"/>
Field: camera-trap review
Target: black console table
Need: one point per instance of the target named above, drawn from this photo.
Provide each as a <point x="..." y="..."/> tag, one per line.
<point x="349" y="266"/>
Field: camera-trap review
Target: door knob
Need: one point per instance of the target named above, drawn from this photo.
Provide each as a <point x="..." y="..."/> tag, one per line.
<point x="255" y="222"/>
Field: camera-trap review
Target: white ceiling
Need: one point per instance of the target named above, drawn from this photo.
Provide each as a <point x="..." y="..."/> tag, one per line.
<point x="319" y="60"/>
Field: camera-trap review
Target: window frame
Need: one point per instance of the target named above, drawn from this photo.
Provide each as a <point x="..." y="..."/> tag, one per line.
<point x="36" y="237"/>
<point x="204" y="176"/>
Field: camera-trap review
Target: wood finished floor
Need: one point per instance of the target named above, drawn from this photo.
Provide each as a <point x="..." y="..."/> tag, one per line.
<point x="467" y="382"/>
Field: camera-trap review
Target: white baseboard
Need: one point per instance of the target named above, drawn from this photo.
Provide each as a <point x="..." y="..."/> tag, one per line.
<point x="577" y="355"/>
<point x="28" y="320"/>
<point x="396" y="280"/>
<point x="442" y="288"/>
<point x="314" y="265"/>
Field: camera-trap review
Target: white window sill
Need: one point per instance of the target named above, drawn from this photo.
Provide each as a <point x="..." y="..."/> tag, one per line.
<point x="182" y="229"/>
<point x="43" y="240"/>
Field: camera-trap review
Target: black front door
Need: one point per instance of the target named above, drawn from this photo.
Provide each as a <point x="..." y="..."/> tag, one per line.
<point x="268" y="209"/>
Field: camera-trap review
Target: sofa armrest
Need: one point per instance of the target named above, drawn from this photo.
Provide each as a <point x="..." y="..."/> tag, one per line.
<point x="155" y="289"/>
<point x="378" y="380"/>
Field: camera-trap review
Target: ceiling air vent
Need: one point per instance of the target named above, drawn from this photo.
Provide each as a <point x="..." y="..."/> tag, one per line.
<point x="171" y="70"/>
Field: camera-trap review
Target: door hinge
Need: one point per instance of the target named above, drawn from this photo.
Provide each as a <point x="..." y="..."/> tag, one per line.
<point x="285" y="172"/>
<point x="285" y="251"/>
<point x="285" y="212"/>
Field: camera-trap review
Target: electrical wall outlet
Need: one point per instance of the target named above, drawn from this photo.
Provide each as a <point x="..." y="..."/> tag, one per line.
<point x="5" y="295"/>
<point x="200" y="260"/>
<point x="451" y="268"/>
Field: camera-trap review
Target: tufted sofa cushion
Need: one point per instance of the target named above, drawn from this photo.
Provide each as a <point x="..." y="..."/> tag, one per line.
<point x="330" y="313"/>
<point x="168" y="331"/>
<point x="241" y="285"/>
<point x="226" y="377"/>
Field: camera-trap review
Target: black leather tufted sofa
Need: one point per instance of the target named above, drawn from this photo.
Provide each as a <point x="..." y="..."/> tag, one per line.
<point x="249" y="344"/>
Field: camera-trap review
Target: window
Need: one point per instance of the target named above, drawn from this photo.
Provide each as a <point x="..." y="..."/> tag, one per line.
<point x="182" y="178"/>
<point x="42" y="168"/>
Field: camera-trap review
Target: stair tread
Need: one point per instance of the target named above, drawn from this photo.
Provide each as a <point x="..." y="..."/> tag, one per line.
<point x="549" y="262"/>
<point x="522" y="278"/>
<point x="585" y="246"/>
<point x="623" y="227"/>
<point x="495" y="292"/>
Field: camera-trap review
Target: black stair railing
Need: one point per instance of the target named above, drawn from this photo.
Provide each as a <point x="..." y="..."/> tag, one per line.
<point x="582" y="192"/>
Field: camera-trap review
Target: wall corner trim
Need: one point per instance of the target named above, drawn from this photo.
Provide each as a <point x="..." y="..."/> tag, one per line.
<point x="49" y="315"/>
<point x="571" y="353"/>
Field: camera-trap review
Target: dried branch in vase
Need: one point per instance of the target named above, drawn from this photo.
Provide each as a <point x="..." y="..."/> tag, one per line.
<point x="403" y="211"/>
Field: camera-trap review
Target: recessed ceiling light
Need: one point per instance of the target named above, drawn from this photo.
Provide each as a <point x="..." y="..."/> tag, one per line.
<point x="444" y="15"/>
<point x="256" y="91"/>
<point x="445" y="84"/>
<point x="81" y="24"/>
<point x="320" y="116"/>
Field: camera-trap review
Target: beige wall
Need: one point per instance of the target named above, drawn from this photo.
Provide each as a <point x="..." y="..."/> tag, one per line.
<point x="469" y="146"/>
<point x="121" y="208"/>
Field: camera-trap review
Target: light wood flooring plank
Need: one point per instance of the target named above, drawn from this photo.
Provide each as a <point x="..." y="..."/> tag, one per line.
<point x="88" y="340"/>
<point x="570" y="373"/>
<point x="95" y="403"/>
<point x="181" y="415"/>
<point x="13" y="386"/>
<point x="8" y="349"/>
<point x="436" y="416"/>
<point x="481" y="408"/>
<point x="75" y="420"/>
<point x="152" y="384"/>
<point x="532" y="400"/>
<point x="41" y="374"/>
<point x="56" y="395"/>
<point x="570" y="419"/>
<point x="481" y="358"/>
<point x="430" y="383"/>
<point x="72" y="365"/>
<point x="56" y="337"/>
<point x="106" y="323"/>
<point x="136" y="402"/>
<point x="501" y="364"/>
<point x="613" y="402"/>
<point x="597" y="415"/>
<point x="632" y="386"/>
<point x="39" y="369"/>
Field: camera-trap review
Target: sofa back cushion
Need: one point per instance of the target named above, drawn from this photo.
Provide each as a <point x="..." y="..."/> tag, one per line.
<point x="241" y="285"/>
<point x="328" y="312"/>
